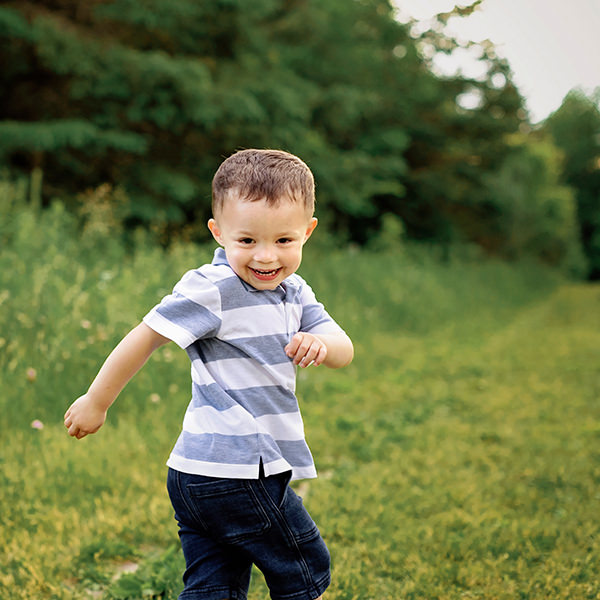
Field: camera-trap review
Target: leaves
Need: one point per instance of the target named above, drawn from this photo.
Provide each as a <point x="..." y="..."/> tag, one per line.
<point x="575" y="127"/>
<point x="156" y="577"/>
<point x="149" y="97"/>
<point x="68" y="133"/>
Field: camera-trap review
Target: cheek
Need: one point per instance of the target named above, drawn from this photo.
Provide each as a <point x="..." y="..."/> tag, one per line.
<point x="239" y="257"/>
<point x="295" y="256"/>
<point x="234" y="256"/>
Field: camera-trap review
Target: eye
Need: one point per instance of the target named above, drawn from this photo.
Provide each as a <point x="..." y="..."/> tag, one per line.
<point x="246" y="241"/>
<point x="284" y="240"/>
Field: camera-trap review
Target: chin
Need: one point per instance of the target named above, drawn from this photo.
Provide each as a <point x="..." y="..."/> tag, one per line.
<point x="264" y="285"/>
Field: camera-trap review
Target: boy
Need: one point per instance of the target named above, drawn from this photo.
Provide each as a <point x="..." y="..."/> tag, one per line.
<point x="246" y="321"/>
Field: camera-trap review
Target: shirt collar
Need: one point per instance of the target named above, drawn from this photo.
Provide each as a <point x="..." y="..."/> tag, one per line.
<point x="219" y="257"/>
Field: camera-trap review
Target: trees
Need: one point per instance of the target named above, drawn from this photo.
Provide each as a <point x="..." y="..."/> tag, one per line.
<point x="150" y="96"/>
<point x="458" y="136"/>
<point x="575" y="128"/>
<point x="535" y="214"/>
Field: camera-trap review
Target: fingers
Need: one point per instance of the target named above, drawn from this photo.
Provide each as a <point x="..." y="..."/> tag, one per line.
<point x="69" y="423"/>
<point x="73" y="430"/>
<point x="320" y="356"/>
<point x="305" y="349"/>
<point x="314" y="355"/>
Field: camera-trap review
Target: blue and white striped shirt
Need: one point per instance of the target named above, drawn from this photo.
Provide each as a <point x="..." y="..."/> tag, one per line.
<point x="243" y="407"/>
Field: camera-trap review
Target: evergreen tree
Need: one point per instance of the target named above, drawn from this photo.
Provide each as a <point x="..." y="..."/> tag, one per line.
<point x="152" y="95"/>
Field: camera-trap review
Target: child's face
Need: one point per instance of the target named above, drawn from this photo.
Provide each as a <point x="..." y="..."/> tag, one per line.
<point x="263" y="243"/>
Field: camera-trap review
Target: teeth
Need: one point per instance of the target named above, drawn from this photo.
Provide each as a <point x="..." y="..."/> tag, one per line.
<point x="265" y="272"/>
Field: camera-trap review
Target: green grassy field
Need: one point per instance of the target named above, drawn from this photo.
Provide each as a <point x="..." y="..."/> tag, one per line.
<point x="459" y="455"/>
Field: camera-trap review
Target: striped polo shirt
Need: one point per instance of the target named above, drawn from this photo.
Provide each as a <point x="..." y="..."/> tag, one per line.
<point x="243" y="408"/>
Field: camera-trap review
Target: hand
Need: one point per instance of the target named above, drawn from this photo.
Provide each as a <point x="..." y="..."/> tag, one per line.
<point x="306" y="349"/>
<point x="84" y="417"/>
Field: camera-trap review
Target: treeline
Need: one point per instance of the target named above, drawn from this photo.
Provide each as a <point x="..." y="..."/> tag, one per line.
<point x="150" y="96"/>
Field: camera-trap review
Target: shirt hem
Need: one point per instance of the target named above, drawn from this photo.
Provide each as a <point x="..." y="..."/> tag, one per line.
<point x="244" y="471"/>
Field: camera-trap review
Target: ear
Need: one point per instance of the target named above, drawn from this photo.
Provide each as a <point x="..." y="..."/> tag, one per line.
<point x="310" y="228"/>
<point x="216" y="232"/>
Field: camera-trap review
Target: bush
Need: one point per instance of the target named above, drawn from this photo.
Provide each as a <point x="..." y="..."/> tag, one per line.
<point x="536" y="215"/>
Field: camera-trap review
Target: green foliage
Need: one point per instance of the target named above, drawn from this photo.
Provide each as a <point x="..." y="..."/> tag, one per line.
<point x="453" y="148"/>
<point x="74" y="134"/>
<point x="156" y="577"/>
<point x="457" y="453"/>
<point x="575" y="127"/>
<point x="183" y="90"/>
<point x="13" y="25"/>
<point x="536" y="215"/>
<point x="150" y="96"/>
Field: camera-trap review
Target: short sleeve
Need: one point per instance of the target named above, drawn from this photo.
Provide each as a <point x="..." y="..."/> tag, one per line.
<point x="191" y="312"/>
<point x="315" y="319"/>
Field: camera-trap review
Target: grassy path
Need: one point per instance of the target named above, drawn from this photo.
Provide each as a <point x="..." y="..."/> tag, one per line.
<point x="467" y="465"/>
<point x="462" y="463"/>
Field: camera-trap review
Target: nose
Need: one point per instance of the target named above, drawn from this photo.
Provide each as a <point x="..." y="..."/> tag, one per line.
<point x="264" y="254"/>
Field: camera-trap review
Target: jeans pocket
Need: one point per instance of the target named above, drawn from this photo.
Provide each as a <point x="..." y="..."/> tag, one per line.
<point x="301" y="525"/>
<point x="276" y="487"/>
<point x="228" y="509"/>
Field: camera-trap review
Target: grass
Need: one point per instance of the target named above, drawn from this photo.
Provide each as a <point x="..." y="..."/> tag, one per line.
<point x="458" y="455"/>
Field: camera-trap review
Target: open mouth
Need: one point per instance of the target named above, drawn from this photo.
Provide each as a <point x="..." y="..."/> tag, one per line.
<point x="266" y="275"/>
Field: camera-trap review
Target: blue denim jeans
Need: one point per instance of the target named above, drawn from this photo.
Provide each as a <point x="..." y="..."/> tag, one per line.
<point x="226" y="525"/>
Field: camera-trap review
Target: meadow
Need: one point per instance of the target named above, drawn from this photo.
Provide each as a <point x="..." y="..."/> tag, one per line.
<point x="459" y="454"/>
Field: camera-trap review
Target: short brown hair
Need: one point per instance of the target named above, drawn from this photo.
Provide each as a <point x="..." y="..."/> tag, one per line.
<point x="272" y="175"/>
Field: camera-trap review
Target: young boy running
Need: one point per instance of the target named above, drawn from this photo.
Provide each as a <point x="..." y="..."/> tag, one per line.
<point x="246" y="321"/>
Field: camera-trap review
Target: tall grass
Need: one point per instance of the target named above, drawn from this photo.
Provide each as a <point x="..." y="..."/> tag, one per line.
<point x="458" y="454"/>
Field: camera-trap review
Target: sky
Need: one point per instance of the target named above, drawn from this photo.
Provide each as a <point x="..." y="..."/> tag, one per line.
<point x="552" y="46"/>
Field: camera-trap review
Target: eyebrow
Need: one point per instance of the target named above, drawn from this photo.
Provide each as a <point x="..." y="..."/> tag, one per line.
<point x="245" y="233"/>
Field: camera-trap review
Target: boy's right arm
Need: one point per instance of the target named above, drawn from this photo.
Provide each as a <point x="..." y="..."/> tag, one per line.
<point x="88" y="413"/>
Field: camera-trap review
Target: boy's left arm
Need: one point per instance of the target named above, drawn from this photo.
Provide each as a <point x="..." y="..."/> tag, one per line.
<point x="333" y="350"/>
